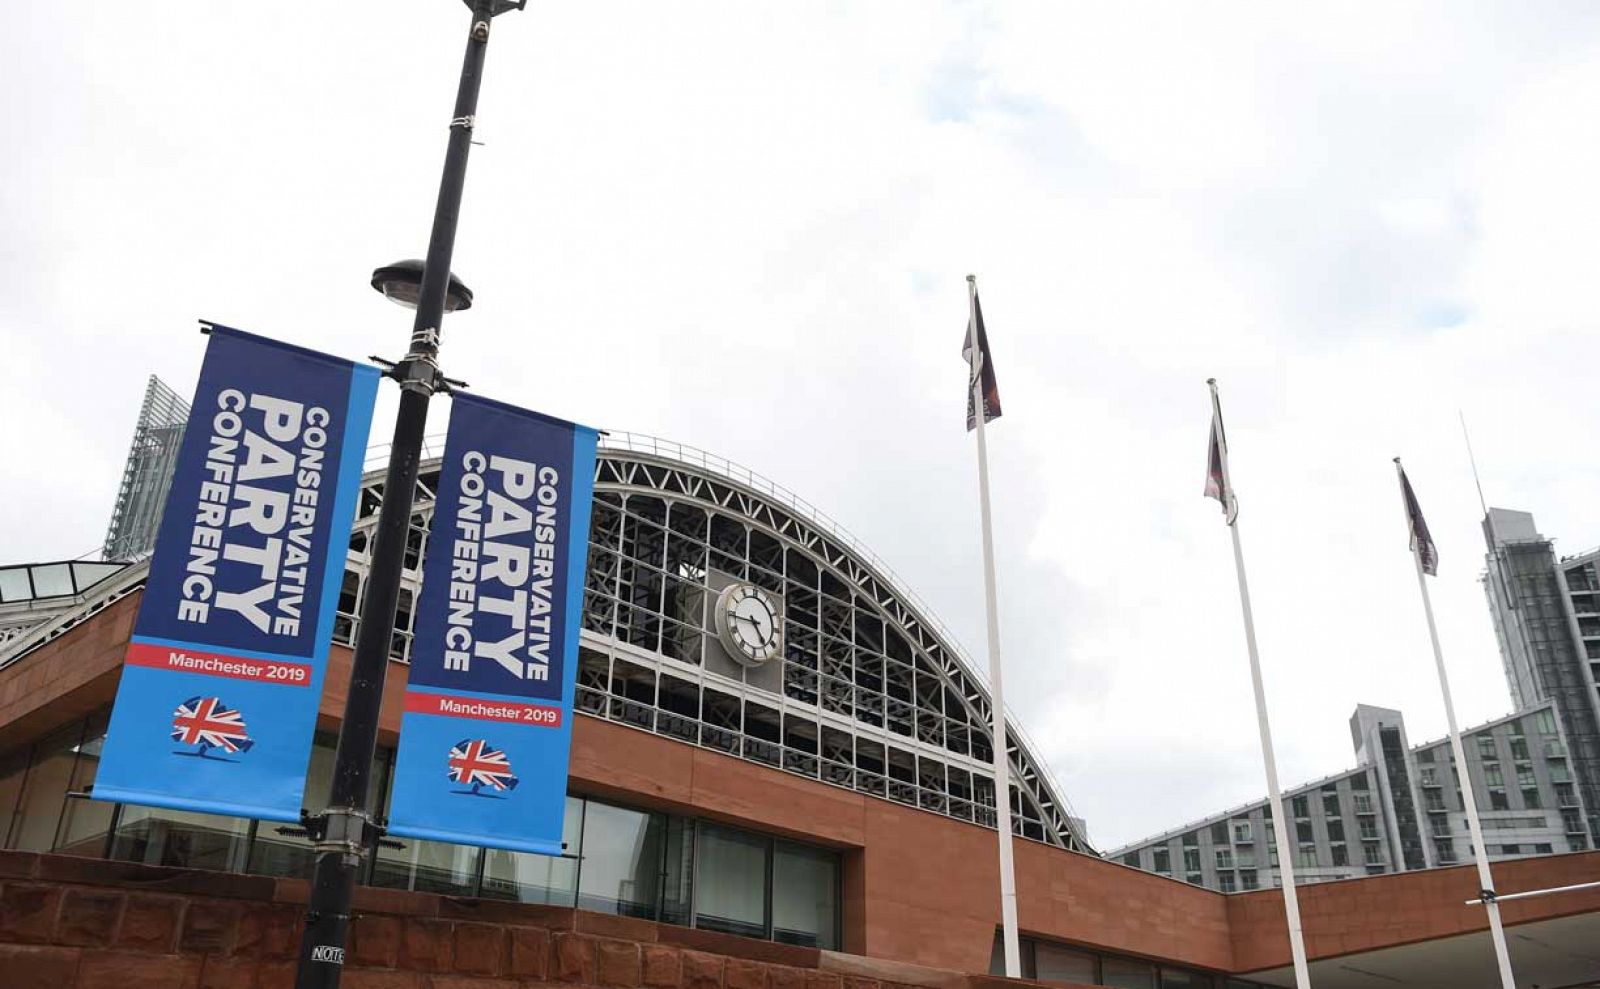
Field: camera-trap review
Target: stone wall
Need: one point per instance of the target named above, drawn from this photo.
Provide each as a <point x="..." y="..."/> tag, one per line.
<point x="74" y="923"/>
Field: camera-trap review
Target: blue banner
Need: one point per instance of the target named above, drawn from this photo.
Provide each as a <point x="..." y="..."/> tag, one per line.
<point x="487" y="727"/>
<point x="223" y="676"/>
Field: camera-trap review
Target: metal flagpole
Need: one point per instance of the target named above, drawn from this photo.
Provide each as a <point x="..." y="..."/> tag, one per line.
<point x="1002" y="765"/>
<point x="1468" y="800"/>
<point x="1291" y="897"/>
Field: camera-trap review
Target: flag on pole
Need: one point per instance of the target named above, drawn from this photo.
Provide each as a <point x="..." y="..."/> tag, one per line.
<point x="1421" y="539"/>
<point x="1217" y="485"/>
<point x="991" y="390"/>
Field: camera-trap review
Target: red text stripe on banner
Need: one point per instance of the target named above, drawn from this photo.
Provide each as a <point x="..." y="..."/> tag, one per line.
<point x="539" y="715"/>
<point x="218" y="664"/>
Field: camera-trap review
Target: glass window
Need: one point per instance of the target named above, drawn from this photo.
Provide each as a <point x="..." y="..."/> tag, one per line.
<point x="1191" y="859"/>
<point x="1127" y="973"/>
<point x="621" y="865"/>
<point x="1302" y="806"/>
<point x="677" y="872"/>
<point x="1057" y="964"/>
<point x="1162" y="858"/>
<point x="805" y="896"/>
<point x="730" y="881"/>
<point x="50" y="581"/>
<point x="1219" y="833"/>
<point x="530" y="878"/>
<point x="44" y="790"/>
<point x="1177" y="978"/>
<point x="84" y="822"/>
<point x="14" y="584"/>
<point x="13" y="770"/>
<point x="1247" y="879"/>
<point x="156" y="836"/>
<point x="428" y="867"/>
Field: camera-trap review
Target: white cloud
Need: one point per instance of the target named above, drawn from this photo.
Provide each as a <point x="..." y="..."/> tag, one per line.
<point x="745" y="227"/>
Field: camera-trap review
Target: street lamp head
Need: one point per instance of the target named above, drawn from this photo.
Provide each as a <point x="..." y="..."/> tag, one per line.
<point x="497" y="7"/>
<point x="401" y="283"/>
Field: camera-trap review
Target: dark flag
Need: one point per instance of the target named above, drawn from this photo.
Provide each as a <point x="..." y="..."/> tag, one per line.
<point x="1216" y="473"/>
<point x="1421" y="540"/>
<point x="991" y="390"/>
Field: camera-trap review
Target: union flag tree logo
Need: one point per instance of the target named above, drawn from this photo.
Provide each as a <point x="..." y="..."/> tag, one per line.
<point x="477" y="764"/>
<point x="206" y="723"/>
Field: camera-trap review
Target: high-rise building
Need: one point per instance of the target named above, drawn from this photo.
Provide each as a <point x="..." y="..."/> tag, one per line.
<point x="1547" y="618"/>
<point x="147" y="473"/>
<point x="1399" y="810"/>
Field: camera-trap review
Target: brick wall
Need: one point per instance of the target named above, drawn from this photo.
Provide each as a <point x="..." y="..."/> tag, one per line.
<point x="73" y="923"/>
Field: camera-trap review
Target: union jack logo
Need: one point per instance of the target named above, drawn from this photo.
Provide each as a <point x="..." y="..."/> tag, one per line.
<point x="474" y="763"/>
<point x="210" y="724"/>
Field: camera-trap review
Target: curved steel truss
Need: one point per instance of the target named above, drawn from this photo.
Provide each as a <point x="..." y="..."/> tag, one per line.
<point x="869" y="694"/>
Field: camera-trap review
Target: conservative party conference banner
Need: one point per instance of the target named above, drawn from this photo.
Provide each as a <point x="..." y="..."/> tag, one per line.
<point x="487" y="727"/>
<point x="223" y="676"/>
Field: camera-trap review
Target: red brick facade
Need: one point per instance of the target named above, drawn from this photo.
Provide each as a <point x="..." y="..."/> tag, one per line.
<point x="70" y="923"/>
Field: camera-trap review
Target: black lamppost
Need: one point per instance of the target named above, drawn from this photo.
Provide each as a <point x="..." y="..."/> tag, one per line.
<point x="345" y="831"/>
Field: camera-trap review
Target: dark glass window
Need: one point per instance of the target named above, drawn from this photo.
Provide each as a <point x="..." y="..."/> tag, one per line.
<point x="85" y="823"/>
<point x="731" y="881"/>
<point x="530" y="878"/>
<point x="44" y="790"/>
<point x="621" y="856"/>
<point x="156" y="836"/>
<point x="805" y="896"/>
<point x="1054" y="963"/>
<point x="1127" y="973"/>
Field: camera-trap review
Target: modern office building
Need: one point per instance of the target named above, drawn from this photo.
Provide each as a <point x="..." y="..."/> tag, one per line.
<point x="1399" y="810"/>
<point x="1547" y="618"/>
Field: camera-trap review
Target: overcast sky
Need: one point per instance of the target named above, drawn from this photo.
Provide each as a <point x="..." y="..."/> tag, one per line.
<point x="745" y="226"/>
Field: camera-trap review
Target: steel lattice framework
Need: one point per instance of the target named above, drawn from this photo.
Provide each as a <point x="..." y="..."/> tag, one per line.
<point x="871" y="693"/>
<point x="147" y="475"/>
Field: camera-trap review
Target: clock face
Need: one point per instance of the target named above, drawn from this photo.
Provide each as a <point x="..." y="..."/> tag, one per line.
<point x="749" y="623"/>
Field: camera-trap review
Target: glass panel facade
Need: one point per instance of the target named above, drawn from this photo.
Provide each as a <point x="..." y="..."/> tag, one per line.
<point x="617" y="859"/>
<point x="156" y="836"/>
<point x="1057" y="964"/>
<point x="731" y="882"/>
<point x="44" y="791"/>
<point x="530" y="878"/>
<point x="85" y="824"/>
<point x="1127" y="973"/>
<point x="805" y="896"/>
<point x="622" y="860"/>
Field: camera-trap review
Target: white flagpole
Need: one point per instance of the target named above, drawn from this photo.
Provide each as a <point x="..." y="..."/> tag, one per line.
<point x="1468" y="800"/>
<point x="1291" y="897"/>
<point x="1002" y="765"/>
